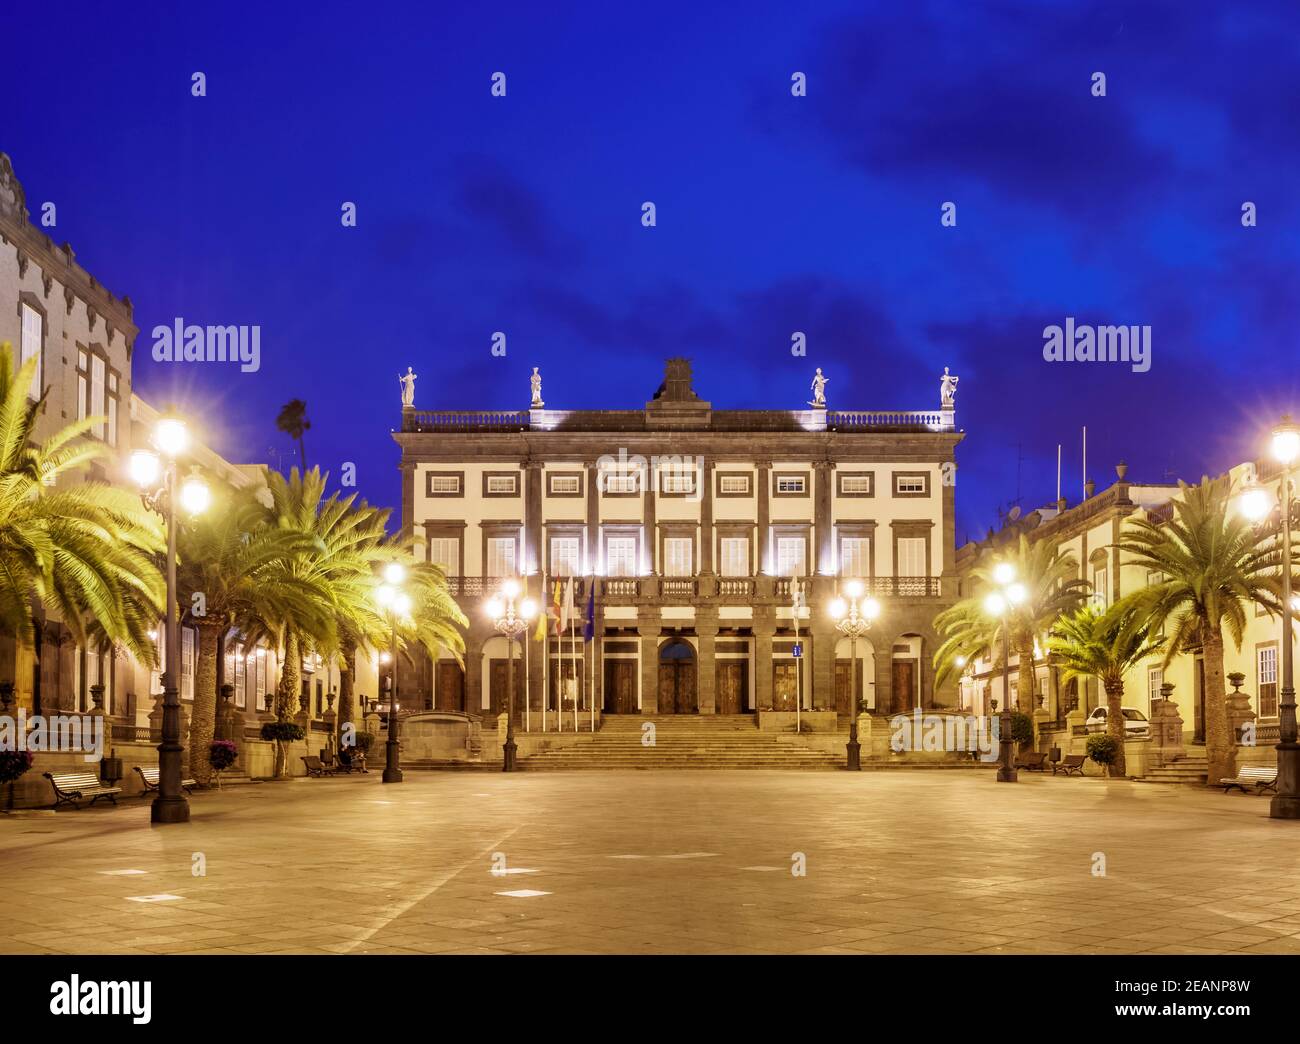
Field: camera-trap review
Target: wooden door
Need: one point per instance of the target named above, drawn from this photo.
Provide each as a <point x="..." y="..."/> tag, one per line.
<point x="843" y="685"/>
<point x="667" y="688"/>
<point x="785" y="686"/>
<point x="730" y="687"/>
<point x="497" y="684"/>
<point x="451" y="686"/>
<point x="687" y="697"/>
<point x="677" y="687"/>
<point x="904" y="688"/>
<point x="620" y="687"/>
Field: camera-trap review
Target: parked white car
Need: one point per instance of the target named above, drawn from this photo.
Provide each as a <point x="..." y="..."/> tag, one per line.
<point x="1135" y="722"/>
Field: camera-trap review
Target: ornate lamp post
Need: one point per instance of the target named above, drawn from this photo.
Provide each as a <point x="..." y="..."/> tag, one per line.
<point x="156" y="477"/>
<point x="999" y="604"/>
<point x="853" y="620"/>
<point x="1258" y="505"/>
<point x="397" y="605"/>
<point x="510" y="623"/>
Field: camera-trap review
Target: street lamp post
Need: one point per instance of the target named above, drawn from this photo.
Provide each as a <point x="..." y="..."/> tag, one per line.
<point x="397" y="604"/>
<point x="853" y="620"/>
<point x="999" y="604"/>
<point x="1286" y="448"/>
<point x="510" y="623"/>
<point x="156" y="477"/>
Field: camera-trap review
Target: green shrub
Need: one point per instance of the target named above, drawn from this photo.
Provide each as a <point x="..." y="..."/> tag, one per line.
<point x="222" y="754"/>
<point x="1022" y="728"/>
<point x="364" y="741"/>
<point x="284" y="731"/>
<point x="1102" y="749"/>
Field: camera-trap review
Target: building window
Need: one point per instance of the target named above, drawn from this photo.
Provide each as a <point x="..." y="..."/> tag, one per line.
<point x="620" y="556"/>
<point x="501" y="556"/>
<point x="112" y="408"/>
<point x="679" y="482"/>
<point x="565" y="485"/>
<point x="621" y="483"/>
<point x="854" y="556"/>
<point x="564" y="556"/>
<point x="33" y="335"/>
<point x="911" y="557"/>
<point x="1100" y="586"/>
<point x="83" y="384"/>
<point x="733" y="485"/>
<point x="792" y="484"/>
<point x="263" y="667"/>
<point x="791" y="558"/>
<point x="97" y="393"/>
<point x="443" y="484"/>
<point x="911" y="484"/>
<point x="502" y="485"/>
<point x="1155" y="679"/>
<point x="444" y="552"/>
<point x="187" y="663"/>
<point x="855" y="485"/>
<point x="677" y="556"/>
<point x="1266" y="668"/>
<point x="735" y="556"/>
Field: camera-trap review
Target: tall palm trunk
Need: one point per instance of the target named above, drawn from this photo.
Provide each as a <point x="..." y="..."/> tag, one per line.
<point x="1115" y="725"/>
<point x="1025" y="676"/>
<point x="203" y="715"/>
<point x="347" y="701"/>
<point x="1220" y="746"/>
<point x="286" y="697"/>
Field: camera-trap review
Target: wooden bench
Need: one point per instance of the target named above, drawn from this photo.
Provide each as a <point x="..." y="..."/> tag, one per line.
<point x="1034" y="760"/>
<point x="150" y="776"/>
<point x="314" y="766"/>
<point x="1261" y="777"/>
<point x="356" y="762"/>
<point x="1072" y="763"/>
<point x="72" y="787"/>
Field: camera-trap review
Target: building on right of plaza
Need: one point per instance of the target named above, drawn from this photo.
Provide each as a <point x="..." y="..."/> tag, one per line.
<point x="1090" y="531"/>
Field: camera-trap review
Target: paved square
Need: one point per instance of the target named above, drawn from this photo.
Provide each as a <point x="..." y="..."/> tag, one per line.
<point x="662" y="862"/>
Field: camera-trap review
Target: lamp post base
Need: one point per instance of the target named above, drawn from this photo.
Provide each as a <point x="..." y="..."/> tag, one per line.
<point x="393" y="767"/>
<point x="169" y="810"/>
<point x="1286" y="803"/>
<point x="1007" y="775"/>
<point x="854" y="749"/>
<point x="508" y="755"/>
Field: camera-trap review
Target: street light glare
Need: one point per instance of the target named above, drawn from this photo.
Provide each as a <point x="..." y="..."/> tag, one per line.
<point x="1286" y="442"/>
<point x="995" y="604"/>
<point x="145" y="468"/>
<point x="1255" y="503"/>
<point x="493" y="607"/>
<point x="1004" y="573"/>
<point x="838" y="608"/>
<point x="394" y="573"/>
<point x="528" y="609"/>
<point x="511" y="589"/>
<point x="195" y="496"/>
<point x="170" y="436"/>
<point x="870" y="608"/>
<point x="384" y="595"/>
<point x="402" y="604"/>
<point x="853" y="588"/>
<point x="1016" y="594"/>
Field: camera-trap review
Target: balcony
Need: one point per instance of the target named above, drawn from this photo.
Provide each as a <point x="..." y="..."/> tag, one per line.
<point x="895" y="586"/>
<point x="677" y="587"/>
<point x="736" y="586"/>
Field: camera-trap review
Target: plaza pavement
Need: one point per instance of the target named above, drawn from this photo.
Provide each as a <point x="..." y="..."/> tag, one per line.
<point x="661" y="862"/>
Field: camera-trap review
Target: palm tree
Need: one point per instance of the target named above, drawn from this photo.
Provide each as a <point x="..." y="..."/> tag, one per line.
<point x="293" y="421"/>
<point x="1051" y="587"/>
<point x="1214" y="565"/>
<point x="88" y="551"/>
<point x="1093" y="642"/>
<point x="232" y="558"/>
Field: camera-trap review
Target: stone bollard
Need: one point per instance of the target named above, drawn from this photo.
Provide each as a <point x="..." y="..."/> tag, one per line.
<point x="1239" y="709"/>
<point x="1166" y="727"/>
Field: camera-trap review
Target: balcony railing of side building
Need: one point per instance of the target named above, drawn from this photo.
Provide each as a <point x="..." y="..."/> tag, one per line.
<point x="727" y="587"/>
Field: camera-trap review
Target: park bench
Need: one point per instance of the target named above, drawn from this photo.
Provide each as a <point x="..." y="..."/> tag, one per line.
<point x="1034" y="759"/>
<point x="72" y="787"/>
<point x="356" y="762"/>
<point x="1072" y="763"/>
<point x="149" y="776"/>
<point x="314" y="766"/>
<point x="1260" y="776"/>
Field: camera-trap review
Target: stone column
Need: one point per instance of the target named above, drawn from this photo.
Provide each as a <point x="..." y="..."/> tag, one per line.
<point x="706" y="629"/>
<point x="593" y="517"/>
<point x="706" y="519"/>
<point x="824" y="478"/>
<point x="764" y="629"/>
<point x="649" y="633"/>
<point x="824" y="636"/>
<point x="532" y="563"/>
<point x="764" y="479"/>
<point x="529" y="680"/>
<point x="650" y="536"/>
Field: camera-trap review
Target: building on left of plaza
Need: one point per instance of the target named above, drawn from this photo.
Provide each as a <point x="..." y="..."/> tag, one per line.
<point x="84" y="336"/>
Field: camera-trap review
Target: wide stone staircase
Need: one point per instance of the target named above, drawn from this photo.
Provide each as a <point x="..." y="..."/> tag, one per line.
<point x="1191" y="768"/>
<point x="685" y="741"/>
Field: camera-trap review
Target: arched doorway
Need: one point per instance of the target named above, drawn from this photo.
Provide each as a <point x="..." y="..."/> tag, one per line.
<point x="844" y="672"/>
<point x="677" y="690"/>
<point x="905" y="679"/>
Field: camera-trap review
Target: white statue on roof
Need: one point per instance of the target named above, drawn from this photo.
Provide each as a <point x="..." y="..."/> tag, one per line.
<point x="408" y="387"/>
<point x="819" y="383"/>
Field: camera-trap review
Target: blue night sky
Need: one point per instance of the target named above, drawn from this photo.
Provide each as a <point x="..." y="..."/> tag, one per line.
<point x="775" y="213"/>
